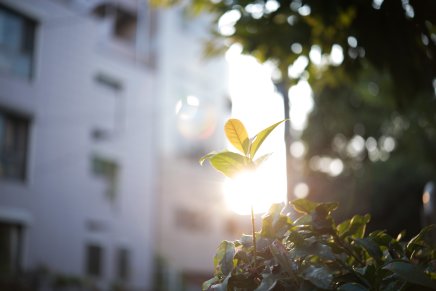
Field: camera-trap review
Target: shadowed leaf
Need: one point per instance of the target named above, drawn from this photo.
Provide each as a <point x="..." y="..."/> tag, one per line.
<point x="319" y="276"/>
<point x="352" y="287"/>
<point x="304" y="205"/>
<point x="206" y="285"/>
<point x="371" y="247"/>
<point x="418" y="240"/>
<point x="411" y="273"/>
<point x="356" y="227"/>
<point x="223" y="260"/>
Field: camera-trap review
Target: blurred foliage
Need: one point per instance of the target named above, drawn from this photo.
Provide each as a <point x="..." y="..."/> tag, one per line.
<point x="314" y="253"/>
<point x="383" y="88"/>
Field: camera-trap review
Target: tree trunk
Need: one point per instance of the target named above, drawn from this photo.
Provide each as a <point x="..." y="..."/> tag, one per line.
<point x="283" y="88"/>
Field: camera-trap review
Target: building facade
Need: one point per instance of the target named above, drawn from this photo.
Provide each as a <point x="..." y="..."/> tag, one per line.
<point x="77" y="146"/>
<point x="105" y="109"/>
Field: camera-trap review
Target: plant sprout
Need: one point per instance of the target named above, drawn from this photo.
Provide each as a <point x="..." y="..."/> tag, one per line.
<point x="232" y="164"/>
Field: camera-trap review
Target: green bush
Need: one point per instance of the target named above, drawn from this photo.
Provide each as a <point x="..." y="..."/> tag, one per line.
<point x="313" y="252"/>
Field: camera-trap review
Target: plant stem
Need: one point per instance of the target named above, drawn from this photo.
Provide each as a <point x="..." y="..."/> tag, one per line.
<point x="254" y="236"/>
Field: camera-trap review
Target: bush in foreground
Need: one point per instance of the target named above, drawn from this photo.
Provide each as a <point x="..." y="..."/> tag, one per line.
<point x="313" y="252"/>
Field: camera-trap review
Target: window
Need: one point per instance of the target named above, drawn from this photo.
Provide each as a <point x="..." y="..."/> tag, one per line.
<point x="109" y="82"/>
<point x="123" y="263"/>
<point x="14" y="131"/>
<point x="124" y="22"/>
<point x="125" y="26"/>
<point x="107" y="170"/>
<point x="94" y="260"/>
<point x="10" y="247"/>
<point x="17" y="37"/>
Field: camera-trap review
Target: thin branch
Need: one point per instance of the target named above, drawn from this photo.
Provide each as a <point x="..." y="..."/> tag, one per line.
<point x="254" y="236"/>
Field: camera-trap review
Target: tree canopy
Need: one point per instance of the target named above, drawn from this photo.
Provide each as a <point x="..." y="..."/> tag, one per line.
<point x="372" y="68"/>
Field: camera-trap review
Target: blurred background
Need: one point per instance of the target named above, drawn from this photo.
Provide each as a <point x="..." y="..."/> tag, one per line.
<point x="106" y="107"/>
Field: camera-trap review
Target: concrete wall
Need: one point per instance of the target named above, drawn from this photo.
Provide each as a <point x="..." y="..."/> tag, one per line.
<point x="62" y="195"/>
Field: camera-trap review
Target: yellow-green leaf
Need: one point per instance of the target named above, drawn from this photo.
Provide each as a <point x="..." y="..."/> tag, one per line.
<point x="261" y="136"/>
<point x="163" y="3"/>
<point x="206" y="157"/>
<point x="229" y="163"/>
<point x="237" y="135"/>
<point x="262" y="159"/>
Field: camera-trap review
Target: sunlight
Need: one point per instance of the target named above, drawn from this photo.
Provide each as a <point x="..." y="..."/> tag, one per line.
<point x="300" y="97"/>
<point x="256" y="103"/>
<point x="259" y="188"/>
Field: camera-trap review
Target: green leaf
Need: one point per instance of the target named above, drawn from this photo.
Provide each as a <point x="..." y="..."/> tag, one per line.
<point x="303" y="220"/>
<point x="274" y="224"/>
<point x="371" y="247"/>
<point x="418" y="240"/>
<point x="223" y="260"/>
<point x="304" y="206"/>
<point x="411" y="273"/>
<point x="269" y="280"/>
<point x="163" y="3"/>
<point x="281" y="255"/>
<point x="207" y="157"/>
<point x="261" y="136"/>
<point x="323" y="251"/>
<point x="400" y="236"/>
<point x="381" y="238"/>
<point x="343" y="227"/>
<point x="229" y="163"/>
<point x="262" y="159"/>
<point x="319" y="276"/>
<point x="328" y="207"/>
<point x="222" y="286"/>
<point x="246" y="240"/>
<point x="322" y="221"/>
<point x="244" y="281"/>
<point x="274" y="211"/>
<point x="206" y="285"/>
<point x="352" y="287"/>
<point x="237" y="135"/>
<point x="357" y="226"/>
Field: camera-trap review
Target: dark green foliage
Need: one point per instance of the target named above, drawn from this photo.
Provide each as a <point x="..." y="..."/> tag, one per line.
<point x="315" y="253"/>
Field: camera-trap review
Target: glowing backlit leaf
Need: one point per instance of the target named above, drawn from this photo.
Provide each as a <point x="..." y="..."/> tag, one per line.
<point x="206" y="157"/>
<point x="261" y="136"/>
<point x="229" y="163"/>
<point x="237" y="135"/>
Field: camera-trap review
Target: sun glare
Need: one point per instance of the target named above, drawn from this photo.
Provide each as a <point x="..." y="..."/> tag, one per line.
<point x="257" y="105"/>
<point x="259" y="188"/>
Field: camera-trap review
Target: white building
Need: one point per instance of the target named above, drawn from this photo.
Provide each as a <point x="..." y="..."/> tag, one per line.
<point x="105" y="108"/>
<point x="77" y="140"/>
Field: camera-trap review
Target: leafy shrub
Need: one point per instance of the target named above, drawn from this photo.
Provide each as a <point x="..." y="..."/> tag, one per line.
<point x="313" y="252"/>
